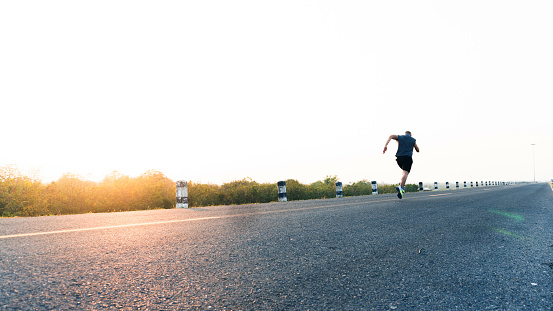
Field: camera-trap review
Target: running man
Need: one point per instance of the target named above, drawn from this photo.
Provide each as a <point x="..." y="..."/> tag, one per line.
<point x="404" y="157"/>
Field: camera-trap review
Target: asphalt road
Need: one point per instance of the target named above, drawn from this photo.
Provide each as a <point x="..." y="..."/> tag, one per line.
<point x="486" y="248"/>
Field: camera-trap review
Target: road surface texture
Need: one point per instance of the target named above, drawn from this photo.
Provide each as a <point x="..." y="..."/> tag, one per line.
<point x="486" y="248"/>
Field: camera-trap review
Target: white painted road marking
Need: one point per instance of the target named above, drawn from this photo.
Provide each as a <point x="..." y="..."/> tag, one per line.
<point x="181" y="220"/>
<point x="102" y="228"/>
<point x="195" y="219"/>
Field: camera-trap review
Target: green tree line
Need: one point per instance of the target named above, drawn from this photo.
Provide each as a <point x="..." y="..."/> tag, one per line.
<point x="247" y="191"/>
<point x="22" y="195"/>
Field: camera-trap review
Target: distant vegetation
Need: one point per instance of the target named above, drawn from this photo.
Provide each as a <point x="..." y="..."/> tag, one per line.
<point x="248" y="191"/>
<point x="22" y="195"/>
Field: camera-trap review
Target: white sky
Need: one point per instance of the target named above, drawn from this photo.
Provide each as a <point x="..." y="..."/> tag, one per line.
<point x="215" y="91"/>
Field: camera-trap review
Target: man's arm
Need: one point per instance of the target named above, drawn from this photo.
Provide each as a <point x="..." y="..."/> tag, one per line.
<point x="416" y="147"/>
<point x="394" y="137"/>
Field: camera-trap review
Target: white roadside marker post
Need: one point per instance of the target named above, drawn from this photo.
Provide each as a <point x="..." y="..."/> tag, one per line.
<point x="339" y="193"/>
<point x="182" y="194"/>
<point x="282" y="191"/>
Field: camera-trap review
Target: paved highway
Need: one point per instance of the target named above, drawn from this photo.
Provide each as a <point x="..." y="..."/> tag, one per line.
<point x="486" y="248"/>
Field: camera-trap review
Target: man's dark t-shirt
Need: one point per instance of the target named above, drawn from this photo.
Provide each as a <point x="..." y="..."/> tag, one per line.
<point x="405" y="145"/>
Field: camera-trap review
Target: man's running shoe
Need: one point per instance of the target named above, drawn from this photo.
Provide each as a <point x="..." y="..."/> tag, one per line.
<point x="400" y="192"/>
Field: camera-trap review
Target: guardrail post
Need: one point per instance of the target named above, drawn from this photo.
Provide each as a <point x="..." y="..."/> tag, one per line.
<point x="421" y="186"/>
<point x="447" y="185"/>
<point x="457" y="184"/>
<point x="436" y="186"/>
<point x="375" y="187"/>
<point x="282" y="191"/>
<point x="182" y="194"/>
<point x="339" y="193"/>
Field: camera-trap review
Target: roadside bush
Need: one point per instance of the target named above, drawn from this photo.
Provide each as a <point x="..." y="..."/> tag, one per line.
<point x="243" y="191"/>
<point x="20" y="195"/>
<point x="359" y="188"/>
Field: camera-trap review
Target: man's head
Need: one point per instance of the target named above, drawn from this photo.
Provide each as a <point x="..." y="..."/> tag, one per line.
<point x="408" y="133"/>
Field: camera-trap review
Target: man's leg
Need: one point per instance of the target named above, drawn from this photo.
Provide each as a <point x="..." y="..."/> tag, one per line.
<point x="404" y="179"/>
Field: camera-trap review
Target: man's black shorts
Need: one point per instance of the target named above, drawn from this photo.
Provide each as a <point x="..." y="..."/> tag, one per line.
<point x="405" y="162"/>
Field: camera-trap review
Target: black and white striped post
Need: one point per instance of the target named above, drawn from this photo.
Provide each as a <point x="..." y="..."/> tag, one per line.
<point x="375" y="187"/>
<point x="421" y="186"/>
<point x="476" y="184"/>
<point x="472" y="184"/>
<point x="447" y="185"/>
<point x="339" y="193"/>
<point x="436" y="185"/>
<point x="182" y="194"/>
<point x="282" y="191"/>
<point x="457" y="184"/>
<point x="465" y="183"/>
